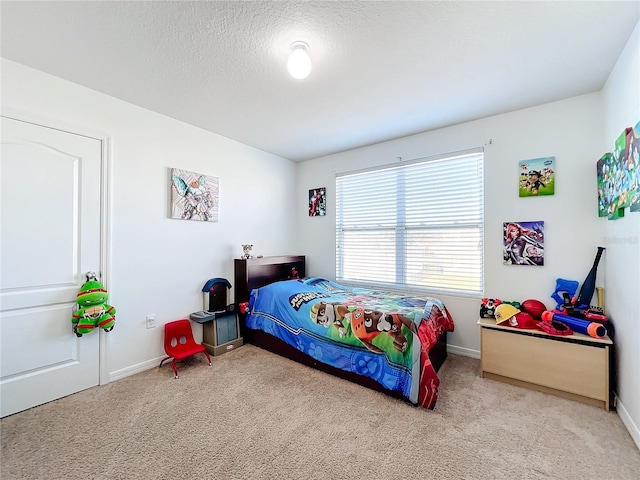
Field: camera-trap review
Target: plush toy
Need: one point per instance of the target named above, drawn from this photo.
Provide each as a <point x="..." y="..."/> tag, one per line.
<point x="93" y="310"/>
<point x="488" y="307"/>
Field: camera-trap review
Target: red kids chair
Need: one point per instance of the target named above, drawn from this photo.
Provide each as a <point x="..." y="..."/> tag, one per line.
<point x="179" y="343"/>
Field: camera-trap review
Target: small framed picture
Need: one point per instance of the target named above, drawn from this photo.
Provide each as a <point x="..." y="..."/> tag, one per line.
<point x="537" y="177"/>
<point x="318" y="201"/>
<point x="194" y="196"/>
<point x="523" y="243"/>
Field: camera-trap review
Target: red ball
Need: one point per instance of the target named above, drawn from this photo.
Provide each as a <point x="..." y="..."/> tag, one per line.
<point x="533" y="308"/>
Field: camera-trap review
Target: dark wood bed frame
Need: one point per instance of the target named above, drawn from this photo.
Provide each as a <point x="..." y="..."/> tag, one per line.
<point x="258" y="272"/>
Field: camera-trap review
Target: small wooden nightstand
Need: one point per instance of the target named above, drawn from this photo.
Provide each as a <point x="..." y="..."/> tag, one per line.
<point x="574" y="366"/>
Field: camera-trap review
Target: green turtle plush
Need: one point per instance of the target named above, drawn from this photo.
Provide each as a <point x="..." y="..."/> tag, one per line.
<point x="93" y="310"/>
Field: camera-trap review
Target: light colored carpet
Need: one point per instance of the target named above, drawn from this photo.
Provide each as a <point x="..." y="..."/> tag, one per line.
<point x="255" y="415"/>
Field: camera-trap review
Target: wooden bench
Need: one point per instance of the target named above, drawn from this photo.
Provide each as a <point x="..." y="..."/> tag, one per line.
<point x="574" y="366"/>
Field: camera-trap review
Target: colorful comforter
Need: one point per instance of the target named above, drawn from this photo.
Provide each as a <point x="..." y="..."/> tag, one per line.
<point x="381" y="335"/>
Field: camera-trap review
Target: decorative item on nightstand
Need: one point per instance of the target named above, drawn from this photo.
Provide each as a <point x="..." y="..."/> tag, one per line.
<point x="246" y="250"/>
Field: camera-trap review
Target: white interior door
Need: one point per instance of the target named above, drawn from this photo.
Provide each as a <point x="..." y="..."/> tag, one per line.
<point x="50" y="215"/>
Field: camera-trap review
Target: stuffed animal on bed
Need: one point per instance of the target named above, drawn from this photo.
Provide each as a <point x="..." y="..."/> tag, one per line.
<point x="93" y="310"/>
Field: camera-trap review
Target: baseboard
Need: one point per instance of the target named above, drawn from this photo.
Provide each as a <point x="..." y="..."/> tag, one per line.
<point x="465" y="352"/>
<point x="133" y="369"/>
<point x="628" y="422"/>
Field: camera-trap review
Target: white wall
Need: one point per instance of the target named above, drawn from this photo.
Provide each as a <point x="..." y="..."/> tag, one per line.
<point x="577" y="132"/>
<point x="570" y="130"/>
<point x="158" y="265"/>
<point x="622" y="237"/>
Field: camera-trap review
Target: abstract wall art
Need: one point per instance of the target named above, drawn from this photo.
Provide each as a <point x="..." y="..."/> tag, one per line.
<point x="194" y="196"/>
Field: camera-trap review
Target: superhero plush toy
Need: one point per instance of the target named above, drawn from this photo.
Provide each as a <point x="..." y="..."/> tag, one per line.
<point x="93" y="310"/>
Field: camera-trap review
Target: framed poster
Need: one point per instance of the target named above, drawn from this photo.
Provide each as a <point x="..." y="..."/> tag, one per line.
<point x="194" y="196"/>
<point x="604" y="184"/>
<point x="618" y="174"/>
<point x="633" y="165"/>
<point x="537" y="177"/>
<point x="523" y="243"/>
<point x="318" y="201"/>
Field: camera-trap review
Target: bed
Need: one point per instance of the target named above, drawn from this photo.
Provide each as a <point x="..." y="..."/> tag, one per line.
<point x="389" y="342"/>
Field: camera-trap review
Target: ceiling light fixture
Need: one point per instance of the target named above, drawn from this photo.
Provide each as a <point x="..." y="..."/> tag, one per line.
<point x="299" y="63"/>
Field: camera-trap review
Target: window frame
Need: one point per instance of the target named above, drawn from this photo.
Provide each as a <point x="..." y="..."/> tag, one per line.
<point x="402" y="230"/>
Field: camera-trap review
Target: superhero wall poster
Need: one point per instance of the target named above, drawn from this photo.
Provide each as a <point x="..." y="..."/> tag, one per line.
<point x="523" y="243"/>
<point x="537" y="177"/>
<point x="317" y="201"/>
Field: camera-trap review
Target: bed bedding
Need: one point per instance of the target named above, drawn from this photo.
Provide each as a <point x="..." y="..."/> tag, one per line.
<point x="381" y="335"/>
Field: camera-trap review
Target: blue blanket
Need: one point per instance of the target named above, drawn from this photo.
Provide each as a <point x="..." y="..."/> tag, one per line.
<point x="372" y="333"/>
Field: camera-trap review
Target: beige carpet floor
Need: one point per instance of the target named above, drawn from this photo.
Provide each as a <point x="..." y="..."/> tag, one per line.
<point x="255" y="415"/>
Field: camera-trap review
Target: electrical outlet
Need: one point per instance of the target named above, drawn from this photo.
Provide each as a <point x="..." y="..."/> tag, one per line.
<point x="151" y="320"/>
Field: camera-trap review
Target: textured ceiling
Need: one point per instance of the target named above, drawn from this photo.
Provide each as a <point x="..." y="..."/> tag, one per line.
<point x="381" y="70"/>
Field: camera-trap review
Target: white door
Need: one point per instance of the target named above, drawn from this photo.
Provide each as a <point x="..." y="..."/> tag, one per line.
<point x="50" y="215"/>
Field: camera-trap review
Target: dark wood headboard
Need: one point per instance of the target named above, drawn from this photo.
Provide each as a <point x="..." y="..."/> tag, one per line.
<point x="258" y="272"/>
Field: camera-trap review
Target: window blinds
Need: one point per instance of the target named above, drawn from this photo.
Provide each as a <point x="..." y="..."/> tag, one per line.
<point x="413" y="226"/>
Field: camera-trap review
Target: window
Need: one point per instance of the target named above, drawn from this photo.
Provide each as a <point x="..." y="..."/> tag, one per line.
<point x="414" y="225"/>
